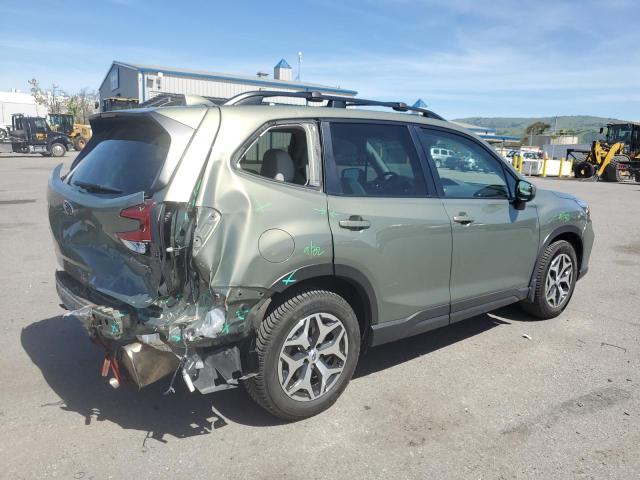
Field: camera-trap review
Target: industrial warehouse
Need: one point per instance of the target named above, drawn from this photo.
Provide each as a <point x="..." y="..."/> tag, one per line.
<point x="128" y="84"/>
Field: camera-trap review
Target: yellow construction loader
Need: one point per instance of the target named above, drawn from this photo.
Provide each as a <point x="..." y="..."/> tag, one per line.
<point x="64" y="123"/>
<point x="615" y="159"/>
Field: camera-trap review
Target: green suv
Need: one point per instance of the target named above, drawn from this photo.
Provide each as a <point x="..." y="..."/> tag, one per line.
<point x="269" y="245"/>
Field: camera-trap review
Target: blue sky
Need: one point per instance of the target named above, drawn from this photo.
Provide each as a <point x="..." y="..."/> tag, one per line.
<point x="463" y="57"/>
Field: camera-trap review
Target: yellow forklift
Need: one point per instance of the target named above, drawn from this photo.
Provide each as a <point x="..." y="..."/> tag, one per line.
<point x="615" y="159"/>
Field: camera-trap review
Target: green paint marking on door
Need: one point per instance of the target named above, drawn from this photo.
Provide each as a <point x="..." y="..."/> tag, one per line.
<point x="323" y="211"/>
<point x="313" y="250"/>
<point x="289" y="280"/>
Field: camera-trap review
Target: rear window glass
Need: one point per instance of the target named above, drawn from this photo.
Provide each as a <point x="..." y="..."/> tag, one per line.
<point x="124" y="156"/>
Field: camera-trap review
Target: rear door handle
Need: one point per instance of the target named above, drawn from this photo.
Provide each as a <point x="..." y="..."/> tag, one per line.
<point x="355" y="222"/>
<point x="463" y="219"/>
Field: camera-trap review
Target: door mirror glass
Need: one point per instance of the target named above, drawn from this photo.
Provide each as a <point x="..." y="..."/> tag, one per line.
<point x="601" y="130"/>
<point x="525" y="191"/>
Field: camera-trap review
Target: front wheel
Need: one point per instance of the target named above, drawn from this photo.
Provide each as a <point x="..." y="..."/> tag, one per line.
<point x="307" y="348"/>
<point x="584" y="170"/>
<point x="555" y="280"/>
<point x="58" y="150"/>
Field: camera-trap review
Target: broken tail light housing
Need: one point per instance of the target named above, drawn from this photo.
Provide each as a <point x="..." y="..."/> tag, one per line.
<point x="138" y="240"/>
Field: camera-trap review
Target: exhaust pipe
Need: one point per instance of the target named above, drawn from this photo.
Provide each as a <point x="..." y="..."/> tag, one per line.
<point x="146" y="364"/>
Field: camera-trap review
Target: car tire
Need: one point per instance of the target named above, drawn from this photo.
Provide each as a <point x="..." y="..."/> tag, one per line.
<point x="555" y="279"/>
<point x="289" y="345"/>
<point x="57" y="149"/>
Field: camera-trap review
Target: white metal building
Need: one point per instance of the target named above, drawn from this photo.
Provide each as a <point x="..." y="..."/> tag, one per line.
<point x="143" y="82"/>
<point x="18" y="102"/>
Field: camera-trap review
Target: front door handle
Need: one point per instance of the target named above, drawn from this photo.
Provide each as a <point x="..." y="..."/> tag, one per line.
<point x="463" y="219"/>
<point x="355" y="222"/>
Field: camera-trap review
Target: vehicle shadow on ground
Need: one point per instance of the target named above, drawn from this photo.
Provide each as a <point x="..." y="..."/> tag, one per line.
<point x="395" y="353"/>
<point x="71" y="364"/>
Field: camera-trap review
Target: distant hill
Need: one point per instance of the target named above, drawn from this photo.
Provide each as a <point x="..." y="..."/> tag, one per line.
<point x="585" y="126"/>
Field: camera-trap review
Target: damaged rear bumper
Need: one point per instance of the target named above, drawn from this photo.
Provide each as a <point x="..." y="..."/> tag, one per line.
<point x="208" y="343"/>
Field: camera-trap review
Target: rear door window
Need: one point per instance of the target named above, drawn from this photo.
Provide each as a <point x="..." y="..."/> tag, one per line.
<point x="375" y="160"/>
<point x="124" y="157"/>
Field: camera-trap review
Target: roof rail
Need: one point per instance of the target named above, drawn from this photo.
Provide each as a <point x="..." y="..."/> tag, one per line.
<point x="179" y="99"/>
<point x="333" y="101"/>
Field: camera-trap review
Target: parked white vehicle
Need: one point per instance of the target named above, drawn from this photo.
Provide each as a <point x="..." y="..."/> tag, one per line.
<point x="441" y="155"/>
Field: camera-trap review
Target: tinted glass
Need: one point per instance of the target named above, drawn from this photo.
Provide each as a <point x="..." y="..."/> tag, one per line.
<point x="40" y="124"/>
<point x="470" y="171"/>
<point x="125" y="155"/>
<point x="291" y="140"/>
<point x="375" y="160"/>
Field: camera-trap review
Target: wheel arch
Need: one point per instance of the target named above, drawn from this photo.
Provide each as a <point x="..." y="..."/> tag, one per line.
<point x="346" y="281"/>
<point x="569" y="233"/>
<point x="59" y="139"/>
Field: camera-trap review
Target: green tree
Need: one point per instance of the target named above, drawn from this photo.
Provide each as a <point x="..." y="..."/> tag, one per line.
<point x="82" y="105"/>
<point x="53" y="99"/>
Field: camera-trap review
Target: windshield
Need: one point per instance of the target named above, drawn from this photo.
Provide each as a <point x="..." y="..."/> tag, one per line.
<point x="619" y="133"/>
<point x="124" y="156"/>
<point x="61" y="122"/>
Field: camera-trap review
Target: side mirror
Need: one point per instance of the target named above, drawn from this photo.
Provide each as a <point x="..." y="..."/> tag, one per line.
<point x="351" y="173"/>
<point x="601" y="130"/>
<point x="525" y="191"/>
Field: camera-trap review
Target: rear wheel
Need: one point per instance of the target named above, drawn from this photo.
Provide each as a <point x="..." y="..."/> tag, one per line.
<point x="57" y="150"/>
<point x="612" y="173"/>
<point x="556" y="275"/>
<point x="307" y="349"/>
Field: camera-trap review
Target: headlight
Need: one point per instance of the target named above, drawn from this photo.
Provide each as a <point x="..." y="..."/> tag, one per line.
<point x="584" y="207"/>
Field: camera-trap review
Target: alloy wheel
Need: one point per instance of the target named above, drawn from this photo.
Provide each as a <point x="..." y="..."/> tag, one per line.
<point x="558" y="282"/>
<point x="313" y="357"/>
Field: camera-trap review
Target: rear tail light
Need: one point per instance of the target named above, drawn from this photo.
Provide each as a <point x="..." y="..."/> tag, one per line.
<point x="138" y="240"/>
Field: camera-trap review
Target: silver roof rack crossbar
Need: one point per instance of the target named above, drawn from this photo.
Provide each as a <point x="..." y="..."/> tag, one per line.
<point x="333" y="101"/>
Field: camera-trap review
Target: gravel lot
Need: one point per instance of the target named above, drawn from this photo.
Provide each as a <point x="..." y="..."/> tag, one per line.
<point x="477" y="400"/>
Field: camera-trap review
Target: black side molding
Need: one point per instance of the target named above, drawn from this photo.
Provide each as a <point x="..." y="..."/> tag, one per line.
<point x="420" y="322"/>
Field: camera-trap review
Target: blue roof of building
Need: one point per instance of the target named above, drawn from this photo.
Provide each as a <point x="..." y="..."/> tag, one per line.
<point x="283" y="64"/>
<point x="232" y="77"/>
<point x="419" y="104"/>
<point x="499" y="137"/>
